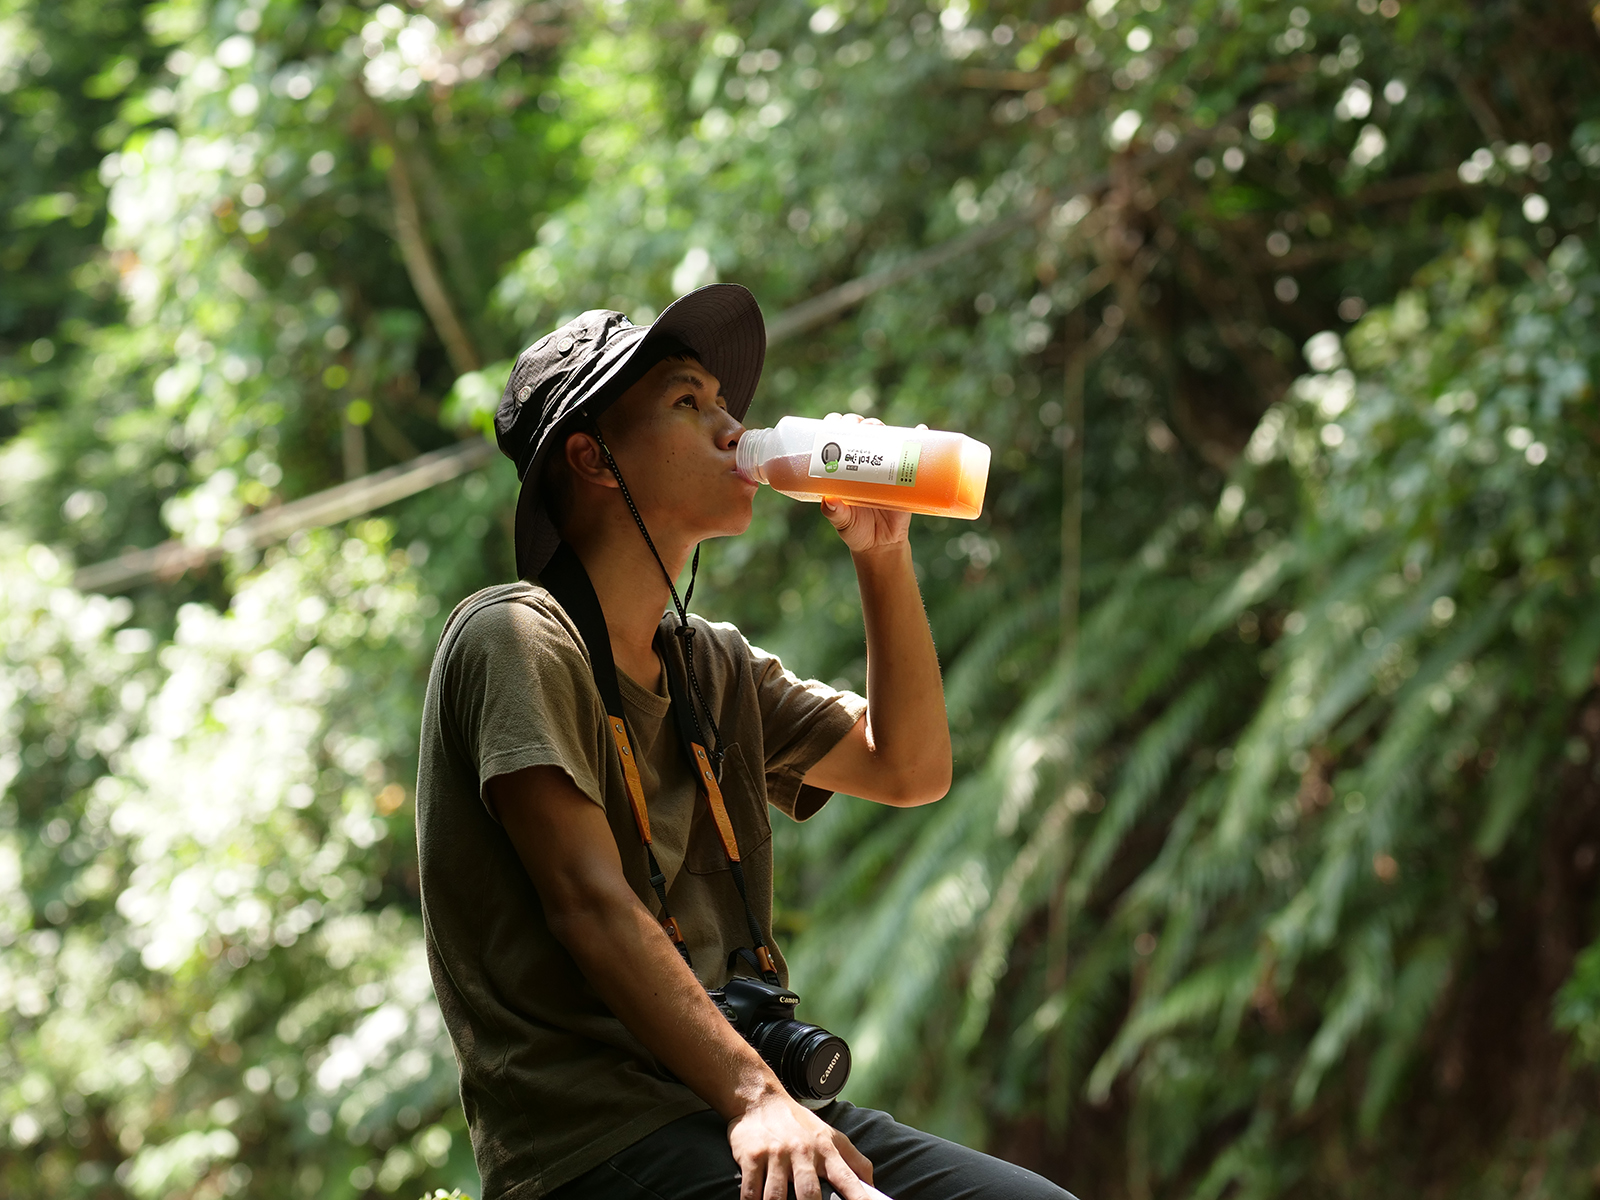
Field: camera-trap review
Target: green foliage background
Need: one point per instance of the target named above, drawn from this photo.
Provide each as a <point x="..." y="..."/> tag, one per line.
<point x="1271" y="861"/>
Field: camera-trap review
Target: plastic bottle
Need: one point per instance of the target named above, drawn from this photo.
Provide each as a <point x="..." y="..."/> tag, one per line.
<point x="917" y="470"/>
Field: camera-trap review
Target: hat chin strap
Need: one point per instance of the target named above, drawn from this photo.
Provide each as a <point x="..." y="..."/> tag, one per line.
<point x="684" y="631"/>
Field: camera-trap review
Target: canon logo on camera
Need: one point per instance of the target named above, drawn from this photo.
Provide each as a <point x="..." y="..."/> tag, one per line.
<point x="831" y="1066"/>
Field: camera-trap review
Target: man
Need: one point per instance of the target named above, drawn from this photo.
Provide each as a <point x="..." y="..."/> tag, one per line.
<point x="592" y="830"/>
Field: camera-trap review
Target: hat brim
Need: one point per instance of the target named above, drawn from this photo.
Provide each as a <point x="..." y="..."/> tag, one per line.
<point x="721" y="323"/>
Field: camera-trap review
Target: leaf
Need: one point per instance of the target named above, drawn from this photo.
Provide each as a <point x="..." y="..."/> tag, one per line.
<point x="1011" y="903"/>
<point x="1417" y="989"/>
<point x="1361" y="993"/>
<point x="1194" y="999"/>
<point x="1581" y="655"/>
<point x="1254" y="583"/>
<point x="1142" y="775"/>
<point x="1241" y="199"/>
<point x="1577" y="1006"/>
<point x="1519" y="774"/>
<point x="474" y="397"/>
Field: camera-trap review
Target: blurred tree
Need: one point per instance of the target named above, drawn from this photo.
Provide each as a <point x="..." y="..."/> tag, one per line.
<point x="1277" y="847"/>
<point x="64" y="72"/>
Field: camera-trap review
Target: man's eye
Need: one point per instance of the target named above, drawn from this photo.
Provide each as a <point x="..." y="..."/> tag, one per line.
<point x="689" y="400"/>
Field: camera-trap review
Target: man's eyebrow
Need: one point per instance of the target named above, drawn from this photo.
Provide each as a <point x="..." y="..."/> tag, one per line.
<point x="696" y="381"/>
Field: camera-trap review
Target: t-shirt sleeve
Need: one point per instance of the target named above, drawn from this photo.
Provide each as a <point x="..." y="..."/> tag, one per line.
<point x="522" y="695"/>
<point x="802" y="719"/>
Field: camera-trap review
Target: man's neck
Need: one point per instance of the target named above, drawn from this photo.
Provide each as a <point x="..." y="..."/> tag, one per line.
<point x="633" y="594"/>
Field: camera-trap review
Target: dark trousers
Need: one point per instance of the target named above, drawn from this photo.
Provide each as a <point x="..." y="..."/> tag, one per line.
<point x="690" y="1160"/>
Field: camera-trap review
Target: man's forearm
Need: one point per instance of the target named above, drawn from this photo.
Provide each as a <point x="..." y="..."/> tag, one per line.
<point x="634" y="967"/>
<point x="905" y="694"/>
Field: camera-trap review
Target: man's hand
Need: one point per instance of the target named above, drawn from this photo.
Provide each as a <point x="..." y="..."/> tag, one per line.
<point x="777" y="1142"/>
<point x="866" y="529"/>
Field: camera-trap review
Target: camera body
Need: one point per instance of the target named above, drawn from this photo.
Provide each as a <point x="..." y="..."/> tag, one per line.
<point x="812" y="1063"/>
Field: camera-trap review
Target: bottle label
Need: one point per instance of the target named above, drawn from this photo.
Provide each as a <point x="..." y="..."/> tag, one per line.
<point x="869" y="453"/>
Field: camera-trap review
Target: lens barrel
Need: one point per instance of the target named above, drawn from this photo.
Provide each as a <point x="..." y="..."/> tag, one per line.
<point x="810" y="1062"/>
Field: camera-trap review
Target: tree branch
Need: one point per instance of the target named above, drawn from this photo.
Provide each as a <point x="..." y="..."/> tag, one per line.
<point x="418" y="257"/>
<point x="171" y="559"/>
<point x="446" y="224"/>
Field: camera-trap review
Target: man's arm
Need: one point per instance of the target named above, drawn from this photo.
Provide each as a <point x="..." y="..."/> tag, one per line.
<point x="566" y="845"/>
<point x="900" y="752"/>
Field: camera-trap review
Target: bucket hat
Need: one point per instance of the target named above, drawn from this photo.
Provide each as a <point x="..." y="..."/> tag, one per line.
<point x="570" y="376"/>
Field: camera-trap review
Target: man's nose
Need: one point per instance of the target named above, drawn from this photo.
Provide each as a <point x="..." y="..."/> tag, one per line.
<point x="730" y="432"/>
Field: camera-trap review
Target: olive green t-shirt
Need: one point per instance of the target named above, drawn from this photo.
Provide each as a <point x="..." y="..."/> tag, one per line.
<point x="553" y="1084"/>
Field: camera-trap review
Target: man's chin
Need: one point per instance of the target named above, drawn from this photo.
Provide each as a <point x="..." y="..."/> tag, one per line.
<point x="736" y="518"/>
<point x="735" y="528"/>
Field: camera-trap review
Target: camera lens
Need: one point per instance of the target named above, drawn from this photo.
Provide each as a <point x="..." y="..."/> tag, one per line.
<point x="808" y="1060"/>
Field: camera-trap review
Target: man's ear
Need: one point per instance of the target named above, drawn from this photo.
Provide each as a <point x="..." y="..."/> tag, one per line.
<point x="585" y="461"/>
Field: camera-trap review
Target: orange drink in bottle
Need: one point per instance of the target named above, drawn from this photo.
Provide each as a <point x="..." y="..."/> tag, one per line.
<point x="917" y="470"/>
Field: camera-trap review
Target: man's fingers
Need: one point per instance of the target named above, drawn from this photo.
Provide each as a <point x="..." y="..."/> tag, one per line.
<point x="750" y="1180"/>
<point x="806" y="1184"/>
<point x="848" y="1183"/>
<point x="777" y="1181"/>
<point x="840" y="515"/>
<point x="853" y="1158"/>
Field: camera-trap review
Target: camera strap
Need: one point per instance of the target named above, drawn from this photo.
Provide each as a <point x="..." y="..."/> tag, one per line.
<point x="700" y="762"/>
<point x="565" y="579"/>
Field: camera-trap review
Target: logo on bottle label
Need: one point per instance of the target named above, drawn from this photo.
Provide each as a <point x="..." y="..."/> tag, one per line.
<point x="869" y="453"/>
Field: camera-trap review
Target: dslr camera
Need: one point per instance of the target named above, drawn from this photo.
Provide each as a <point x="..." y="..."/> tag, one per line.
<point x="812" y="1063"/>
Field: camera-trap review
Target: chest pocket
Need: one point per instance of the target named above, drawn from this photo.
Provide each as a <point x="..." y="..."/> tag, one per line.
<point x="747" y="809"/>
